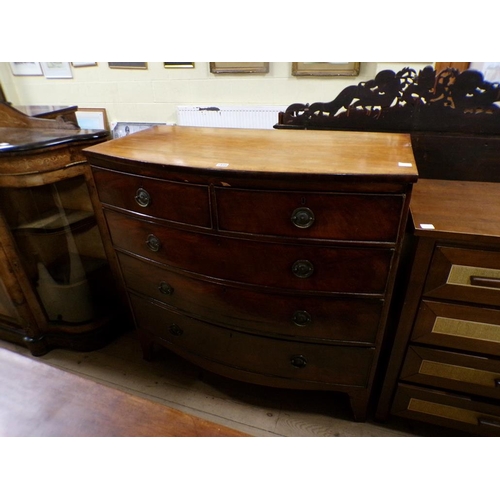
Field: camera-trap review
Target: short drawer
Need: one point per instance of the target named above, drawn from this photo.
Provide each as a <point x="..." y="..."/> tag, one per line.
<point x="469" y="275"/>
<point x="293" y="316"/>
<point x="447" y="409"/>
<point x="458" y="326"/>
<point x="172" y="201"/>
<point x="297" y="267"/>
<point x="448" y="370"/>
<point x="319" y="364"/>
<point x="356" y="217"/>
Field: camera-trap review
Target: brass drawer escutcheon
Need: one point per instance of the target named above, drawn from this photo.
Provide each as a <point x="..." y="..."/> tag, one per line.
<point x="175" y="330"/>
<point x="143" y="198"/>
<point x="302" y="269"/>
<point x="301" y="318"/>
<point x="153" y="243"/>
<point x="298" y="361"/>
<point x="303" y="217"/>
<point x="165" y="288"/>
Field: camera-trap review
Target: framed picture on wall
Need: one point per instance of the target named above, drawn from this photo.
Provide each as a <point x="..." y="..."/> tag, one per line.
<point x="239" y="67"/>
<point x="26" y="68"/>
<point x="83" y="64"/>
<point x="174" y="65"/>
<point x="128" y="65"/>
<point x="325" y="68"/>
<point x="56" y="70"/>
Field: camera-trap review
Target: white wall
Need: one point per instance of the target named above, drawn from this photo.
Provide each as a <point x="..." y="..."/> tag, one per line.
<point x="152" y="95"/>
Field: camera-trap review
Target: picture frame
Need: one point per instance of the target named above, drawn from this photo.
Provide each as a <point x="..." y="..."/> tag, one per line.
<point x="239" y="67"/>
<point x="121" y="129"/>
<point x="325" y="68"/>
<point x="83" y="64"/>
<point x="26" y="68"/>
<point x="92" y="118"/>
<point x="178" y="65"/>
<point x="128" y="65"/>
<point x="56" y="69"/>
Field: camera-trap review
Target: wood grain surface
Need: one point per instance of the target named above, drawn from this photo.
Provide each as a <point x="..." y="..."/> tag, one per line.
<point x="272" y="151"/>
<point x="38" y="400"/>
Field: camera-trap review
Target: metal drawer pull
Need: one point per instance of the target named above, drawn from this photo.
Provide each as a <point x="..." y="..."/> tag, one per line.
<point x="301" y="318"/>
<point x="489" y="423"/>
<point x="174" y="329"/>
<point x="165" y="288"/>
<point x="142" y="197"/>
<point x="484" y="281"/>
<point x="153" y="243"/>
<point x="298" y="361"/>
<point x="303" y="217"/>
<point x="302" y="268"/>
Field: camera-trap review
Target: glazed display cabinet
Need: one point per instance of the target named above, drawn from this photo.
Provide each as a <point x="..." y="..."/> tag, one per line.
<point x="56" y="289"/>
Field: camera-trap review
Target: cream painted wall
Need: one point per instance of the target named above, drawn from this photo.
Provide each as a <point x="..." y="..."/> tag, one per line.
<point x="152" y="95"/>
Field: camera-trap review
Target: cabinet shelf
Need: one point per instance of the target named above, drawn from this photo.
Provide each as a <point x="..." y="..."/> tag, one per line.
<point x="54" y="221"/>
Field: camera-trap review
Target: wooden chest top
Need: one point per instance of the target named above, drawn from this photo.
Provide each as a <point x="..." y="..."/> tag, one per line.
<point x="248" y="151"/>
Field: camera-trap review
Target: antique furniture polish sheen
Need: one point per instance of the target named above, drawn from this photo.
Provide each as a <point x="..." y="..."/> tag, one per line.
<point x="267" y="256"/>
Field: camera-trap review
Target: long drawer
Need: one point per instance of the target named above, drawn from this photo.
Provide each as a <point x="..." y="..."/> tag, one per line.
<point x="297" y="267"/>
<point x="295" y="316"/>
<point x="172" y="201"/>
<point x="357" y="217"/>
<point x="463" y="274"/>
<point x="447" y="409"/>
<point x="319" y="364"/>
<point x="458" y="326"/>
<point x="454" y="371"/>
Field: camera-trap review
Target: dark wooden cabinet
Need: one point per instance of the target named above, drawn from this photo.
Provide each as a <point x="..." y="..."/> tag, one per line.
<point x="265" y="256"/>
<point x="445" y="364"/>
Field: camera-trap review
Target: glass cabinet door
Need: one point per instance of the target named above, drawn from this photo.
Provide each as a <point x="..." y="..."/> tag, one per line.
<point x="59" y="246"/>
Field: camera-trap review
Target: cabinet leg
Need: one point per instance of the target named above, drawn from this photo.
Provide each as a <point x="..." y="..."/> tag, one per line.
<point x="359" y="406"/>
<point x="37" y="346"/>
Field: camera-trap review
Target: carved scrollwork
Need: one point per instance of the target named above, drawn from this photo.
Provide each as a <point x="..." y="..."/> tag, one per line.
<point x="405" y="101"/>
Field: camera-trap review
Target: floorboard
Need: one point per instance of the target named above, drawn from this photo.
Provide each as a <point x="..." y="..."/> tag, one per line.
<point x="258" y="411"/>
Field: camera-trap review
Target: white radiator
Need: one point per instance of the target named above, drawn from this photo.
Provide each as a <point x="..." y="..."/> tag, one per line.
<point x="264" y="117"/>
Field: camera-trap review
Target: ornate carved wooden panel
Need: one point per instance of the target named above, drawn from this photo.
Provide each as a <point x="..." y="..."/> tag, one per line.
<point x="407" y="100"/>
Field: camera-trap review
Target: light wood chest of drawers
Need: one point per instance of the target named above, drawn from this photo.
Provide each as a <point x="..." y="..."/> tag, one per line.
<point x="264" y="256"/>
<point x="445" y="365"/>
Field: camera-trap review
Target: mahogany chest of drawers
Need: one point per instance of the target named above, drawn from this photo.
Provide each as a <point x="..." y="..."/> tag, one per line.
<point x="445" y="364"/>
<point x="265" y="256"/>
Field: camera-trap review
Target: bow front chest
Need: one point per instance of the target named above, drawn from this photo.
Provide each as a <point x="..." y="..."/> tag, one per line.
<point x="267" y="256"/>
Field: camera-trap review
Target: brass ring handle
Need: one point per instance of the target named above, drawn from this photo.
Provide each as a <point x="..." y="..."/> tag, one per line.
<point x="142" y="198"/>
<point x="175" y="330"/>
<point x="302" y="268"/>
<point x="302" y="217"/>
<point x="153" y="243"/>
<point x="165" y="288"/>
<point x="301" y="318"/>
<point x="298" y="361"/>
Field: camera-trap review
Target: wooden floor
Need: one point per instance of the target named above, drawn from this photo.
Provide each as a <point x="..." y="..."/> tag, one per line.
<point x="255" y="410"/>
